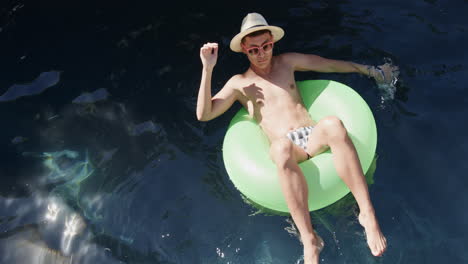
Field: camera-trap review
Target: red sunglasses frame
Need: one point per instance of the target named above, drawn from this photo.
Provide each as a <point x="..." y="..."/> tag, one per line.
<point x="259" y="48"/>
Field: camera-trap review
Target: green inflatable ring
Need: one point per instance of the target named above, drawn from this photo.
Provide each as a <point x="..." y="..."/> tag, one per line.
<point x="246" y="148"/>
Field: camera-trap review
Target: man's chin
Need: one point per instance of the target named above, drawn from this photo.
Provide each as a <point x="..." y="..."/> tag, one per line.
<point x="262" y="64"/>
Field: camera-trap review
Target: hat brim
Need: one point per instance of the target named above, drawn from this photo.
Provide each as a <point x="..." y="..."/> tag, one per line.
<point x="235" y="45"/>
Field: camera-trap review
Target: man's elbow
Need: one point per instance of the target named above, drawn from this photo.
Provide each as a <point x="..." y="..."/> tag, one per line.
<point x="203" y="118"/>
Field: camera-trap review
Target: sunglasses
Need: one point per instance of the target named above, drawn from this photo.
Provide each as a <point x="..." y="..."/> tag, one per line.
<point x="255" y="50"/>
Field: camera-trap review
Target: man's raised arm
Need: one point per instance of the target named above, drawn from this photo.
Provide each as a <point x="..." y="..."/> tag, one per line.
<point x="207" y="107"/>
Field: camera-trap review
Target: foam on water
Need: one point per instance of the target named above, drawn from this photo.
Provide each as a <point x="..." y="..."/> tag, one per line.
<point x="388" y="85"/>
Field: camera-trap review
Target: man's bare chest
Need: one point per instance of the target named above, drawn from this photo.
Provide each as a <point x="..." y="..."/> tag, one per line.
<point x="270" y="92"/>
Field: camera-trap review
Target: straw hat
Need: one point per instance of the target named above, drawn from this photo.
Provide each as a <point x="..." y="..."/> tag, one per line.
<point x="251" y="23"/>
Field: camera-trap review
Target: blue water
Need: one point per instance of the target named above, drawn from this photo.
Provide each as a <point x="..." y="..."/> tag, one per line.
<point x="103" y="160"/>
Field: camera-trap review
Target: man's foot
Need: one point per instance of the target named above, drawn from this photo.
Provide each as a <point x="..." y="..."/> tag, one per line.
<point x="312" y="249"/>
<point x="375" y="239"/>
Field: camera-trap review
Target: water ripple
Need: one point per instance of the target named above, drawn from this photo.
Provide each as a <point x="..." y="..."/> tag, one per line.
<point x="87" y="98"/>
<point x="39" y="85"/>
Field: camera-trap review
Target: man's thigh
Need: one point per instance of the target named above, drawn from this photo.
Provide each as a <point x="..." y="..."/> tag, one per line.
<point x="280" y="146"/>
<point x="318" y="141"/>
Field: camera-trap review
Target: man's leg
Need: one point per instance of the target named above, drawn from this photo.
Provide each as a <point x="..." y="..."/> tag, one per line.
<point x="331" y="132"/>
<point x="295" y="190"/>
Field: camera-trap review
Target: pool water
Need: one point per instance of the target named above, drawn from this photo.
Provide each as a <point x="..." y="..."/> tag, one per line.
<point x="104" y="161"/>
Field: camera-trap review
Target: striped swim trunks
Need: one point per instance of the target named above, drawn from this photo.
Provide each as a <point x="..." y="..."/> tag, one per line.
<point x="300" y="137"/>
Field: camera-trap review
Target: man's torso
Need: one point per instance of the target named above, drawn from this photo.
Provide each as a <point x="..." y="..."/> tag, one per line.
<point x="273" y="100"/>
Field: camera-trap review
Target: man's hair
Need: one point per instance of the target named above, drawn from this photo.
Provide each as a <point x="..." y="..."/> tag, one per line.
<point x="256" y="33"/>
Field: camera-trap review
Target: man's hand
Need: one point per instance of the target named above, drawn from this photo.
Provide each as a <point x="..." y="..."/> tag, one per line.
<point x="386" y="73"/>
<point x="209" y="55"/>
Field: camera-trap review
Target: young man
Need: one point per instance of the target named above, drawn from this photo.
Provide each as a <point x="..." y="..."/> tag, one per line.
<point x="268" y="91"/>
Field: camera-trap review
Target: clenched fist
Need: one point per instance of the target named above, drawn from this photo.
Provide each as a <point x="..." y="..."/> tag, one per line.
<point x="209" y="54"/>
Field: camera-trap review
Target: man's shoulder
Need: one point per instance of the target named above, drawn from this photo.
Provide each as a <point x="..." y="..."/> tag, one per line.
<point x="290" y="56"/>
<point x="236" y="79"/>
<point x="234" y="83"/>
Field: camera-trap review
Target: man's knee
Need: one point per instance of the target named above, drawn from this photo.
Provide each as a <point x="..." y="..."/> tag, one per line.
<point x="281" y="151"/>
<point x="335" y="128"/>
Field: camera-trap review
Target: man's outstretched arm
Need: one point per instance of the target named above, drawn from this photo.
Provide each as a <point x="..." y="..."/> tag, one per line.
<point x="208" y="107"/>
<point x="309" y="62"/>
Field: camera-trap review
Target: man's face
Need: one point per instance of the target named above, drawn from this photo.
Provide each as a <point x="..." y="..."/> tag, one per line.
<point x="259" y="49"/>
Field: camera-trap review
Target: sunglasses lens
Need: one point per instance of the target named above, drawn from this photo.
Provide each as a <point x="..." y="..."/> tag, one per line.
<point x="253" y="51"/>
<point x="268" y="47"/>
